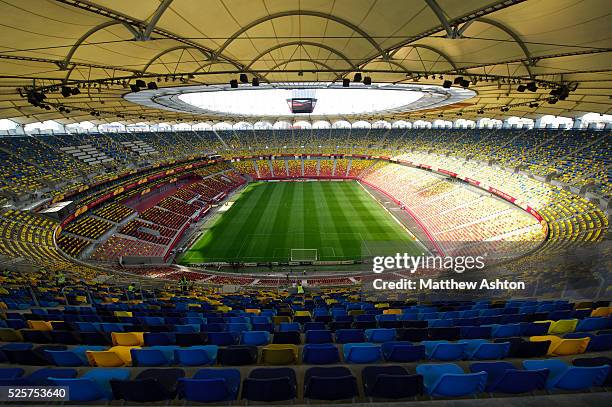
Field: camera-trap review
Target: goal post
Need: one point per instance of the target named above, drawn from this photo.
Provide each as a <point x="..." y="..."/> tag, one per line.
<point x="304" y="254"/>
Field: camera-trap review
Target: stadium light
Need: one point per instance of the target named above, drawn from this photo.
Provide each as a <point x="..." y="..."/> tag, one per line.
<point x="357" y="77"/>
<point x="233" y="83"/>
<point x="244" y="78"/>
<point x="367" y="81"/>
<point x="346" y="82"/>
<point x="447" y="84"/>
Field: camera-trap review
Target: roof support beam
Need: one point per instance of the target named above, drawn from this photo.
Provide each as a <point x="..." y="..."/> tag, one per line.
<point x="290" y="13"/>
<point x="284" y="63"/>
<point x="488" y="9"/>
<point x="97" y="9"/>
<point x="510" y="32"/>
<point x="301" y="43"/>
<point x="146" y="35"/>
<point x="435" y="7"/>
<point x="175" y="48"/>
<point x="93" y="30"/>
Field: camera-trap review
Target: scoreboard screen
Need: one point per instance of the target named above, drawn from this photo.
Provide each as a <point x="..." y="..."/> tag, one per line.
<point x="302" y="105"/>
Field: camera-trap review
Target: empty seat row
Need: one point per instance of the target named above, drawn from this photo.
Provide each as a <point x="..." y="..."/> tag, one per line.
<point x="320" y="383"/>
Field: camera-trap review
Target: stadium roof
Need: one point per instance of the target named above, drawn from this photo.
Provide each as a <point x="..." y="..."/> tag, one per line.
<point x="103" y="46"/>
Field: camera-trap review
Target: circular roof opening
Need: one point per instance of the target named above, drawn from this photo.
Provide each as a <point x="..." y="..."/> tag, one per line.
<point x="298" y="99"/>
<point x="284" y="101"/>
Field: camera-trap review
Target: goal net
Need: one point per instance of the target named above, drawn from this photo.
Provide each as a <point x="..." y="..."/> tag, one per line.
<point x="304" y="254"/>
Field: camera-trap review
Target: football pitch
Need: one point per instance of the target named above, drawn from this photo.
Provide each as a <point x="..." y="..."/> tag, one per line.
<point x="275" y="221"/>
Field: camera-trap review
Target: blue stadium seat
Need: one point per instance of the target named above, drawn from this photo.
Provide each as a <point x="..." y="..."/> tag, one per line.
<point x="449" y="380"/>
<point x="506" y="330"/>
<point x="314" y="326"/>
<point x="566" y="377"/>
<point x="93" y="385"/>
<point x="380" y="335"/>
<point x="361" y="353"/>
<point x="596" y="361"/>
<point x="534" y="328"/>
<point x="222" y="338"/>
<point x="197" y="355"/>
<point x="270" y="384"/>
<point x="11" y="372"/>
<point x="476" y="332"/>
<point x="152" y="357"/>
<point x="158" y="338"/>
<point x="255" y="338"/>
<point x="187" y="328"/>
<point x="237" y="355"/>
<point x="329" y="383"/>
<point x="320" y="354"/>
<point x="319" y="336"/>
<point x="390" y="382"/>
<point x="398" y="351"/>
<point x="481" y="349"/>
<point x="289" y="326"/>
<point x="210" y="385"/>
<point x="592" y="324"/>
<point x="503" y="377"/>
<point x="349" y="336"/>
<point x="443" y="350"/>
<point x="150" y="385"/>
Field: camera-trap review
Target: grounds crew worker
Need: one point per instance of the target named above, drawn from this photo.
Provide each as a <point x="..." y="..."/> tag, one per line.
<point x="300" y="289"/>
<point x="131" y="290"/>
<point x="60" y="278"/>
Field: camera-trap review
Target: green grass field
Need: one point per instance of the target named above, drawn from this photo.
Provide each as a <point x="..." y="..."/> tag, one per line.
<point x="268" y="219"/>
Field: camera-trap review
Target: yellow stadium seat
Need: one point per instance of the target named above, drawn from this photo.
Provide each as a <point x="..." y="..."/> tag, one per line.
<point x="563" y="326"/>
<point x="253" y="311"/>
<point x="114" y="357"/>
<point x="224" y="308"/>
<point x="601" y="312"/>
<point x="382" y="305"/>
<point x="563" y="347"/>
<point x="584" y="305"/>
<point x="279" y="354"/>
<point x="10" y="335"/>
<point x="123" y="313"/>
<point x="40" y="325"/>
<point x="302" y="314"/>
<point x="81" y="299"/>
<point x="277" y="319"/>
<point x="128" y="338"/>
<point x="354" y="312"/>
<point x="392" y="311"/>
<point x="104" y="358"/>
